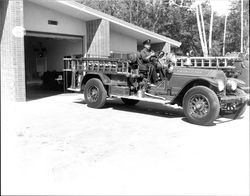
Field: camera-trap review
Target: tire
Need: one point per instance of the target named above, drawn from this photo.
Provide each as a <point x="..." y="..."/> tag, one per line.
<point x="201" y="105"/>
<point x="94" y="93"/>
<point x="130" y="102"/>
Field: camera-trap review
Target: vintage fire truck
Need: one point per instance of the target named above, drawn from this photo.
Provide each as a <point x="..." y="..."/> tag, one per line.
<point x="203" y="93"/>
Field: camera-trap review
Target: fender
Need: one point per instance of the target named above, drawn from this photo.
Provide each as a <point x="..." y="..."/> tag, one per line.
<point x="208" y="82"/>
<point x="103" y="77"/>
<point x="201" y="81"/>
<point x="212" y="81"/>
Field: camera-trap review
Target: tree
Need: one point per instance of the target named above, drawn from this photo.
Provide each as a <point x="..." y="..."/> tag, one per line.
<point x="179" y="22"/>
<point x="234" y="26"/>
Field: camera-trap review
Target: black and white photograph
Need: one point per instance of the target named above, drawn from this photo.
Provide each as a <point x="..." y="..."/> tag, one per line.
<point x="125" y="97"/>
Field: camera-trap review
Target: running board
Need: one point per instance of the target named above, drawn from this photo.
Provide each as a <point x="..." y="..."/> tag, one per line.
<point x="74" y="89"/>
<point x="146" y="99"/>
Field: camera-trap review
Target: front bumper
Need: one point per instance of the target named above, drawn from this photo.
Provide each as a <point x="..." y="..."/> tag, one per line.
<point x="233" y="103"/>
<point x="232" y="98"/>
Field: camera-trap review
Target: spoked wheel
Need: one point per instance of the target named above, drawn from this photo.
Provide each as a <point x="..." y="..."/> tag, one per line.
<point x="130" y="102"/>
<point x="201" y="105"/>
<point x="198" y="106"/>
<point x="95" y="94"/>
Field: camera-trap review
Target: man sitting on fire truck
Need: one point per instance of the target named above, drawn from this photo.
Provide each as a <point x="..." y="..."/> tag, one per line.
<point x="146" y="55"/>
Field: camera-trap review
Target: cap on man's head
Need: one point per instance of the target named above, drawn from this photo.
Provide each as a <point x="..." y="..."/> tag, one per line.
<point x="148" y="41"/>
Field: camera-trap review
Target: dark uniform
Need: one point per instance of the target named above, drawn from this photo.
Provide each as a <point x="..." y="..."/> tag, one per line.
<point x="148" y="63"/>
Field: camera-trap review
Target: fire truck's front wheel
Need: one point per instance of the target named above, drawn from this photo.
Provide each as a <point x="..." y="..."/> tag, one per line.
<point x="95" y="94"/>
<point x="201" y="105"/>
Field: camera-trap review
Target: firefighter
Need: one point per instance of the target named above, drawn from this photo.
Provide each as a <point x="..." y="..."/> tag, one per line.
<point x="147" y="55"/>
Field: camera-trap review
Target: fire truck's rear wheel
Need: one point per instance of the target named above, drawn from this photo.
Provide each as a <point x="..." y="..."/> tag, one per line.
<point x="130" y="102"/>
<point x="201" y="105"/>
<point x="95" y="94"/>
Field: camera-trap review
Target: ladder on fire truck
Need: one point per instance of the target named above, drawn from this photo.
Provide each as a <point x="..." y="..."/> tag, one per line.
<point x="79" y="66"/>
<point x="221" y="62"/>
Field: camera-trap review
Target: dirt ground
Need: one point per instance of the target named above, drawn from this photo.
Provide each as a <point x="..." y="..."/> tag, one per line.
<point x="57" y="145"/>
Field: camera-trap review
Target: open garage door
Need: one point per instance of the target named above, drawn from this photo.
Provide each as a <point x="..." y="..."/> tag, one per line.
<point x="53" y="35"/>
<point x="44" y="53"/>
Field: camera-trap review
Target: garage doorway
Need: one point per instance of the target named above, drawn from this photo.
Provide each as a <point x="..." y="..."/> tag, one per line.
<point x="44" y="55"/>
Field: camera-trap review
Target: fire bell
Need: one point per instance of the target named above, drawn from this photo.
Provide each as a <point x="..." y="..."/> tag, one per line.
<point x="188" y="62"/>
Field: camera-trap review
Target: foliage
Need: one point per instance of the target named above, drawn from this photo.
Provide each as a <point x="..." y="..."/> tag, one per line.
<point x="234" y="26"/>
<point x="178" y="23"/>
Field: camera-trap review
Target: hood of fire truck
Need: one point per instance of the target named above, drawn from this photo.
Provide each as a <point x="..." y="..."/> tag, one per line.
<point x="200" y="72"/>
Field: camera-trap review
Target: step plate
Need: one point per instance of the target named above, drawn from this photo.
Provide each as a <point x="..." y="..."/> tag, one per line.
<point x="146" y="99"/>
<point x="74" y="89"/>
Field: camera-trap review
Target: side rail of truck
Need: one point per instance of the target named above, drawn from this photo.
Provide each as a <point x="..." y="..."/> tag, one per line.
<point x="105" y="65"/>
<point x="78" y="67"/>
<point x="209" y="62"/>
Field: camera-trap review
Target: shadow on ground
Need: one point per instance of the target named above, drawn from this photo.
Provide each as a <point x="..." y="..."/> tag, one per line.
<point x="34" y="94"/>
<point x="155" y="109"/>
<point x="142" y="108"/>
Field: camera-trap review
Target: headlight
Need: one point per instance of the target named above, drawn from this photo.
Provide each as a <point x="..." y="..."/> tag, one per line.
<point x="221" y="85"/>
<point x="231" y="85"/>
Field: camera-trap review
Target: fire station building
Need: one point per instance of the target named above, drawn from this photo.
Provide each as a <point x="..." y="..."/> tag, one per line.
<point x="37" y="34"/>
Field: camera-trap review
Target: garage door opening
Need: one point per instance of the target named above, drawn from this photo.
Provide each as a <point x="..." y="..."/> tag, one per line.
<point x="44" y="63"/>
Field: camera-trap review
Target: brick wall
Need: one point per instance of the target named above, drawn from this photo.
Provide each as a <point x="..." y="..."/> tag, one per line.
<point x="3" y="9"/>
<point x="12" y="53"/>
<point x="98" y="37"/>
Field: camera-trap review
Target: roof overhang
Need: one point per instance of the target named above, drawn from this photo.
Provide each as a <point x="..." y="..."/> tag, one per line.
<point x="77" y="10"/>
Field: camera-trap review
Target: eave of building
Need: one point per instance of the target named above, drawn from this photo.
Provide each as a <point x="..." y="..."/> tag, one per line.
<point x="75" y="9"/>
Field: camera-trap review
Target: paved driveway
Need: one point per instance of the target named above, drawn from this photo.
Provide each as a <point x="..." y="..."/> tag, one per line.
<point x="57" y="145"/>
